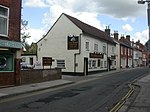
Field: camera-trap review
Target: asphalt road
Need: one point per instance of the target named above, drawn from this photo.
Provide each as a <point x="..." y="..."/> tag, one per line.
<point x="95" y="96"/>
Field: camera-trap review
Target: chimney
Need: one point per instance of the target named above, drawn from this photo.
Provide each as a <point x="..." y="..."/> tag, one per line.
<point x="128" y="37"/>
<point x="122" y="38"/>
<point x="107" y="30"/>
<point x="116" y="35"/>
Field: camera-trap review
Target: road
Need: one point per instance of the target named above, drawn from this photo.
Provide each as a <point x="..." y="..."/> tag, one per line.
<point x="99" y="95"/>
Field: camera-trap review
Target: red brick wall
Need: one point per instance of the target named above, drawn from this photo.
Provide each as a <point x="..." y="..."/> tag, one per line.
<point x="6" y="78"/>
<point x="14" y="18"/>
<point x="35" y="76"/>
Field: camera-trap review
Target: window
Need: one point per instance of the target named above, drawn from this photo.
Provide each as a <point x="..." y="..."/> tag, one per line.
<point x="90" y="64"/>
<point x="94" y="64"/>
<point x="121" y="50"/>
<point x="23" y="59"/>
<point x="125" y="50"/>
<point x="87" y="46"/>
<point x="104" y="49"/>
<point x="113" y="50"/>
<point x="101" y="64"/>
<point x="95" y="47"/>
<point x="98" y="64"/>
<point x="129" y="52"/>
<point x="4" y="21"/>
<point x="105" y="64"/>
<point x="6" y="62"/>
<point x="61" y="64"/>
<point x="114" y="62"/>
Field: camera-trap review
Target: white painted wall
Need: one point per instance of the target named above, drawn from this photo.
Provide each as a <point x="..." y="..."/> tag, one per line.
<point x="112" y="52"/>
<point x="55" y="43"/>
<point x="26" y="58"/>
<point x="117" y="55"/>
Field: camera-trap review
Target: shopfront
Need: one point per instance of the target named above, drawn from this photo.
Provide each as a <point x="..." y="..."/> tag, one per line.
<point x="9" y="62"/>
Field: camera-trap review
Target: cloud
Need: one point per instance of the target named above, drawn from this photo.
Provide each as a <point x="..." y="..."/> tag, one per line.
<point x="121" y="8"/>
<point x="142" y="36"/>
<point x="127" y="28"/>
<point x="89" y="11"/>
<point x="36" y="34"/>
<point x="35" y="3"/>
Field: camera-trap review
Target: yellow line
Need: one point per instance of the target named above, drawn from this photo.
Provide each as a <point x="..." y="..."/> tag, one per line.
<point x="123" y="100"/>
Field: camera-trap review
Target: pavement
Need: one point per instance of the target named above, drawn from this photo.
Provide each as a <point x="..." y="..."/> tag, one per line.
<point x="139" y="102"/>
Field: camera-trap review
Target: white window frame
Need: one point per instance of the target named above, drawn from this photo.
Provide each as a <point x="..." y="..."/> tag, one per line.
<point x="105" y="64"/>
<point x="61" y="64"/>
<point x="125" y="50"/>
<point x="90" y="64"/>
<point x="101" y="64"/>
<point x="95" y="47"/>
<point x="128" y="52"/>
<point x="87" y="46"/>
<point x="121" y="50"/>
<point x="93" y="63"/>
<point x="104" y="49"/>
<point x="113" y="50"/>
<point x="6" y="17"/>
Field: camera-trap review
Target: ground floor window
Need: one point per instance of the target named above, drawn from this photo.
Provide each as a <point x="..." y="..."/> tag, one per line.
<point x="61" y="64"/>
<point x="90" y="64"/>
<point x="105" y="64"/>
<point x="94" y="63"/>
<point x="101" y="64"/>
<point x="98" y="64"/>
<point x="6" y="62"/>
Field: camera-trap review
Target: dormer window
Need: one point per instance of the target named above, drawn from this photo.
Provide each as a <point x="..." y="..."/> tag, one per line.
<point x="4" y="17"/>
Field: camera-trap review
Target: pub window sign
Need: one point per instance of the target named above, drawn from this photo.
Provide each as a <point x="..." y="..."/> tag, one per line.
<point x="73" y="42"/>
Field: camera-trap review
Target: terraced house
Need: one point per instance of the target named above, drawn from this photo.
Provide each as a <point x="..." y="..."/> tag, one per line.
<point x="77" y="47"/>
<point x="10" y="19"/>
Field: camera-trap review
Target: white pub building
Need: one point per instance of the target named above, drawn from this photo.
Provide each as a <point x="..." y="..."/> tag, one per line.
<point x="77" y="48"/>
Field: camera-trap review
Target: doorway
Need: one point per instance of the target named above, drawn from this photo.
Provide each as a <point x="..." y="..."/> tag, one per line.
<point x="85" y="66"/>
<point x="31" y="61"/>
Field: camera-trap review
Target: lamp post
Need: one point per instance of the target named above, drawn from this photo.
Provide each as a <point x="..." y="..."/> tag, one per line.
<point x="148" y="19"/>
<point x="148" y="11"/>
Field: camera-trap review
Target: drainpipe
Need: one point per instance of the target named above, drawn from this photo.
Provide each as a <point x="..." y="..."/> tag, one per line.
<point x="107" y="59"/>
<point x="75" y="55"/>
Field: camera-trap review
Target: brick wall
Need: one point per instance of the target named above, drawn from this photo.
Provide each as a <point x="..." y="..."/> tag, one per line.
<point x="6" y="79"/>
<point x="39" y="75"/>
<point x="14" y="18"/>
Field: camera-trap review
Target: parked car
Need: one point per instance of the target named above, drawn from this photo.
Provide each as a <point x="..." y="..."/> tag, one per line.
<point x="26" y="65"/>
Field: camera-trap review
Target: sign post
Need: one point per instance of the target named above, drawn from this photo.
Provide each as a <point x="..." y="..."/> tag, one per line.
<point x="47" y="61"/>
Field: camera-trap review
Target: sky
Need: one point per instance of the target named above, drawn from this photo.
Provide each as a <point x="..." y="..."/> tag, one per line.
<point x="125" y="16"/>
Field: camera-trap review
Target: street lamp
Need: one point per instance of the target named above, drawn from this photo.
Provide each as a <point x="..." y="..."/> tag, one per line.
<point x="148" y="19"/>
<point x="148" y="11"/>
<point x="148" y="8"/>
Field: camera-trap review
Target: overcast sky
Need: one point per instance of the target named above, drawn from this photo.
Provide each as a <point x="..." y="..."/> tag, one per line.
<point x="125" y="16"/>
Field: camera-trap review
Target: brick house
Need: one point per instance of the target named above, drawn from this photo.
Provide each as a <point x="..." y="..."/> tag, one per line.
<point x="10" y="45"/>
<point x="140" y="54"/>
<point x="126" y="52"/>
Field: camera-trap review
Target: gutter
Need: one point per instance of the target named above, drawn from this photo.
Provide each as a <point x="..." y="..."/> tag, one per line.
<point x="75" y="55"/>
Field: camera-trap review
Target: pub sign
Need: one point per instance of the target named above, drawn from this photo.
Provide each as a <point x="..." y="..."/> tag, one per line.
<point x="47" y="61"/>
<point x="73" y="42"/>
<point x="96" y="55"/>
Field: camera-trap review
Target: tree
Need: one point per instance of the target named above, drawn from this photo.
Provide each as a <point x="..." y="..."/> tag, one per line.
<point x="25" y="35"/>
